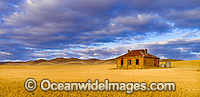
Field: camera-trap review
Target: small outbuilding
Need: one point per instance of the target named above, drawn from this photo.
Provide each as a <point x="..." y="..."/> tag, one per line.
<point x="137" y="59"/>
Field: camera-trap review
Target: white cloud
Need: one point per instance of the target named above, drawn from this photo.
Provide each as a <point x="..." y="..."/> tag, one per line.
<point x="5" y="53"/>
<point x="142" y="22"/>
<point x="174" y="48"/>
<point x="95" y="54"/>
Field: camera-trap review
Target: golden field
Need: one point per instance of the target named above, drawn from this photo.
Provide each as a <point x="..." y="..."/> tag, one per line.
<point x="186" y="75"/>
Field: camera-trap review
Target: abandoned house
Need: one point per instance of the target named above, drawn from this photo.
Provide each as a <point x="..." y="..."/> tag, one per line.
<point x="137" y="59"/>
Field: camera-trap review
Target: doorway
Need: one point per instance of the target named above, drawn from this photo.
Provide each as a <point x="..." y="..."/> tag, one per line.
<point x="137" y="61"/>
<point x="155" y="62"/>
<point x="122" y="62"/>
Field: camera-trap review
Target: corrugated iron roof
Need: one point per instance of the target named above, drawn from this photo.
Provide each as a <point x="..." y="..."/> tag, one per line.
<point x="138" y="53"/>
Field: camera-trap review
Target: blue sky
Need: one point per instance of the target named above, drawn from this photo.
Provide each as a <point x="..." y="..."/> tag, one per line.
<point x="102" y="29"/>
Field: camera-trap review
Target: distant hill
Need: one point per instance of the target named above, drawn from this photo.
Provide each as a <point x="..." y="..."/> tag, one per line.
<point x="169" y="60"/>
<point x="195" y="64"/>
<point x="62" y="61"/>
<point x="72" y="61"/>
<point x="35" y="62"/>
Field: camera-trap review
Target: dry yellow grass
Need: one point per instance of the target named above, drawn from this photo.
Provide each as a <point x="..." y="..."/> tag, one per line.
<point x="187" y="80"/>
<point x="186" y="64"/>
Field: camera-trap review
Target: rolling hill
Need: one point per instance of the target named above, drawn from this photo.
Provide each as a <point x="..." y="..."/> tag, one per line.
<point x="169" y="60"/>
<point x="62" y="61"/>
<point x="74" y="61"/>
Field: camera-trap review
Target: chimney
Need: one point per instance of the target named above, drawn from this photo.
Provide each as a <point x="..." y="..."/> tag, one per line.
<point x="129" y="51"/>
<point x="145" y="51"/>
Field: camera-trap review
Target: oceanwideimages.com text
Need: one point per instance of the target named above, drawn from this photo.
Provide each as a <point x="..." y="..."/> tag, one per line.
<point x="129" y="87"/>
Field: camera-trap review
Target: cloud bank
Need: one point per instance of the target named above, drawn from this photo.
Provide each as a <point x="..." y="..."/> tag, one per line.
<point x="32" y="29"/>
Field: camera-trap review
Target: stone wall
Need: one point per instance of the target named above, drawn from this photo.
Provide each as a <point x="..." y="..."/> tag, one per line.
<point x="133" y="62"/>
<point x="150" y="62"/>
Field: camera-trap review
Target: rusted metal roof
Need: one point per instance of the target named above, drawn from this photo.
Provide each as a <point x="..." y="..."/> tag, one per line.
<point x="138" y="53"/>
